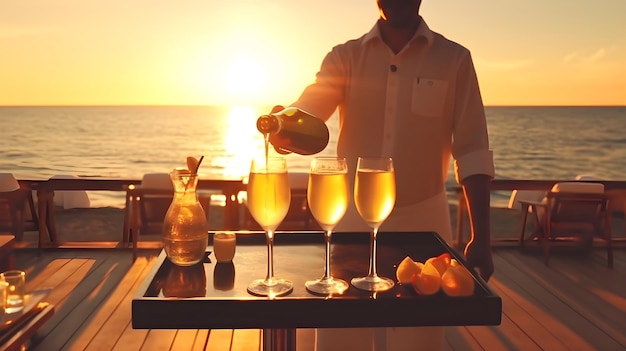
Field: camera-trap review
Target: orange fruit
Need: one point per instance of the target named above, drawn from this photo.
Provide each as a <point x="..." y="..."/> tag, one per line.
<point x="192" y="164"/>
<point x="428" y="281"/>
<point x="406" y="269"/>
<point x="457" y="280"/>
<point x="441" y="262"/>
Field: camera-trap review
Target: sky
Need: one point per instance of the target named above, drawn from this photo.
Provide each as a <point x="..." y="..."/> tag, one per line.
<point x="238" y="52"/>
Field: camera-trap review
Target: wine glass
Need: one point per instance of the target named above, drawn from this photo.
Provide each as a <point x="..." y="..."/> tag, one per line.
<point x="374" y="197"/>
<point x="269" y="196"/>
<point x="327" y="196"/>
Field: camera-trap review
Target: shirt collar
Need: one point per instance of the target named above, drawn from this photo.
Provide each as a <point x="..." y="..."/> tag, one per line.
<point x="423" y="31"/>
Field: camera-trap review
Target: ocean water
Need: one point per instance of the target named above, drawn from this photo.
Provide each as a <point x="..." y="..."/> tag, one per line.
<point x="126" y="142"/>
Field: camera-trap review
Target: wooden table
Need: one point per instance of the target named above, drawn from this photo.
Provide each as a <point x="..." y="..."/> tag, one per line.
<point x="7" y="260"/>
<point x="45" y="199"/>
<point x="214" y="296"/>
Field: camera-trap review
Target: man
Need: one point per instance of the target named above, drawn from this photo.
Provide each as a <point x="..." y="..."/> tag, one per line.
<point x="406" y="92"/>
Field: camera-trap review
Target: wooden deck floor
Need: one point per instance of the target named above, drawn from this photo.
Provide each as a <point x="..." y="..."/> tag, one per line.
<point x="576" y="303"/>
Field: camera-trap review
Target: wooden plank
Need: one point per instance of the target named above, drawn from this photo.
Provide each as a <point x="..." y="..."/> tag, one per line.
<point x="40" y="280"/>
<point x="65" y="280"/>
<point x="576" y="306"/>
<point x="547" y="304"/>
<point x="131" y="339"/>
<point x="219" y="340"/>
<point x="246" y="340"/>
<point x="519" y="328"/>
<point x="78" y="294"/>
<point x="104" y="325"/>
<point x="459" y="338"/>
<point x="202" y="338"/>
<point x="159" y="340"/>
<point x="599" y="281"/>
<point x="184" y="340"/>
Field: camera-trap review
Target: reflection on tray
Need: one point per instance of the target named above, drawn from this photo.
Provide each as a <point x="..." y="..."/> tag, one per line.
<point x="185" y="281"/>
<point x="224" y="276"/>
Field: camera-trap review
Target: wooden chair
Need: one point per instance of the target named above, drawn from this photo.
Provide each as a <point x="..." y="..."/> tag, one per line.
<point x="571" y="211"/>
<point x="155" y="197"/>
<point x="17" y="208"/>
<point x="148" y="203"/>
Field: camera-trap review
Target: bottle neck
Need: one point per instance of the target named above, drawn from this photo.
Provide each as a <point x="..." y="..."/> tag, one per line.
<point x="268" y="124"/>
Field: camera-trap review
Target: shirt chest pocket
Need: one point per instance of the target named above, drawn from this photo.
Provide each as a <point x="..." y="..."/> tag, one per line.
<point x="429" y="97"/>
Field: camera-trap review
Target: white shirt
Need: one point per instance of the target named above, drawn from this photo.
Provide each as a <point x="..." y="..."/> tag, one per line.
<point x="419" y="107"/>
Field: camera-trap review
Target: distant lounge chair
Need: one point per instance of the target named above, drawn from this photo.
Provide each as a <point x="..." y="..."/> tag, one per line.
<point x="572" y="211"/>
<point x="70" y="198"/>
<point x="155" y="196"/>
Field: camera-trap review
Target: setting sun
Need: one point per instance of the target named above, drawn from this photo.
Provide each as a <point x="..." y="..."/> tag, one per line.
<point x="242" y="140"/>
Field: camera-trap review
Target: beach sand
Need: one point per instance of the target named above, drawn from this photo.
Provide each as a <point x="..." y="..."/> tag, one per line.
<point x="105" y="224"/>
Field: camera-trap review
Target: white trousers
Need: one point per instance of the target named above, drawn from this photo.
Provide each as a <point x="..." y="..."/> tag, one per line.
<point x="429" y="215"/>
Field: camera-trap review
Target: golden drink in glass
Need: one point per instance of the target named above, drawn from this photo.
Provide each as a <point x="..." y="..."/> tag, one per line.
<point x="269" y="196"/>
<point x="327" y="196"/>
<point x="374" y="198"/>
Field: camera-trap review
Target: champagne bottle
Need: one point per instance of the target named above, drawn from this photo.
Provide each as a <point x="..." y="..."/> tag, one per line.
<point x="294" y="130"/>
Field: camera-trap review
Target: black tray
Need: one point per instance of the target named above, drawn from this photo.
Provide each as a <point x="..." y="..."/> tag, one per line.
<point x="214" y="296"/>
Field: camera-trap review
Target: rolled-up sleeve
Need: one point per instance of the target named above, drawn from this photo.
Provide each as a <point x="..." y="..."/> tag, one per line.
<point x="476" y="162"/>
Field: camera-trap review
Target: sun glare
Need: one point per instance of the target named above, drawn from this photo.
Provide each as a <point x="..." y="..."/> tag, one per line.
<point x="242" y="140"/>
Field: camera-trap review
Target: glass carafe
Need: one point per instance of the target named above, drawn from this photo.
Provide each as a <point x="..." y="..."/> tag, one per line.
<point x="185" y="227"/>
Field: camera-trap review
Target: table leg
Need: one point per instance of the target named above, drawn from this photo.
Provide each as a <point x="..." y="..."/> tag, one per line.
<point x="524" y="207"/>
<point x="279" y="339"/>
<point x="134" y="220"/>
<point x="50" y="220"/>
<point x="127" y="216"/>
<point x="42" y="204"/>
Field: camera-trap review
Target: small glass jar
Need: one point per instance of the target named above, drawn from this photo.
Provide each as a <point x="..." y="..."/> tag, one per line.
<point x="224" y="244"/>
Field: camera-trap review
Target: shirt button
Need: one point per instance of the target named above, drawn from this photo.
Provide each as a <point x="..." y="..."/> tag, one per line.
<point x="393" y="68"/>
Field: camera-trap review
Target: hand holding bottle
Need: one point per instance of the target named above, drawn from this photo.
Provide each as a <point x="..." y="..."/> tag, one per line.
<point x="294" y="130"/>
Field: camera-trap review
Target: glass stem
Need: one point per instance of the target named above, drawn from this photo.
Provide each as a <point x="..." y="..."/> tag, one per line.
<point x="270" y="257"/>
<point x="327" y="236"/>
<point x="372" y="271"/>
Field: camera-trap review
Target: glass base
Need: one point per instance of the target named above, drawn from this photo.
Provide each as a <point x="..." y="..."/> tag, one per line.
<point x="327" y="286"/>
<point x="373" y="283"/>
<point x="271" y="288"/>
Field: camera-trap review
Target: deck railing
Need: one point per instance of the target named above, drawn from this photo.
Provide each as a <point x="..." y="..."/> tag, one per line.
<point x="615" y="189"/>
<point x="45" y="199"/>
<point x="231" y="187"/>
